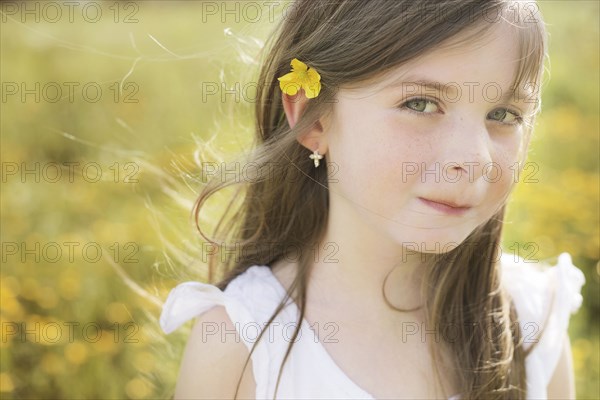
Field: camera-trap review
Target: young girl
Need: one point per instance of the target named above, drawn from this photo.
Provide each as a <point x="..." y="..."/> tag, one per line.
<point x="364" y="260"/>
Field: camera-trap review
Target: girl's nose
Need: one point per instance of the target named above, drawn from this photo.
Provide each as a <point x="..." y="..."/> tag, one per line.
<point x="467" y="150"/>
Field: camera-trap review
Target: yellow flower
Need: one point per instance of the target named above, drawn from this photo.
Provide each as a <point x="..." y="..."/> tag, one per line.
<point x="301" y="77"/>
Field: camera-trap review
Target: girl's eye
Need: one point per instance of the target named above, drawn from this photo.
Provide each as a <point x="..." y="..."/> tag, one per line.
<point x="505" y="116"/>
<point x="421" y="105"/>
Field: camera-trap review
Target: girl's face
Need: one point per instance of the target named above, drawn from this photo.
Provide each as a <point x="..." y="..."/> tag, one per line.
<point x="401" y="147"/>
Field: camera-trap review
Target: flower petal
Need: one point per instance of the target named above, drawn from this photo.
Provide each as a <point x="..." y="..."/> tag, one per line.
<point x="312" y="90"/>
<point x="298" y="66"/>
<point x="313" y="75"/>
<point x="289" y="88"/>
<point x="289" y="77"/>
<point x="313" y="83"/>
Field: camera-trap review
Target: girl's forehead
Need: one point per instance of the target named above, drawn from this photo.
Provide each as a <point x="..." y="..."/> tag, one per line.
<point x="494" y="57"/>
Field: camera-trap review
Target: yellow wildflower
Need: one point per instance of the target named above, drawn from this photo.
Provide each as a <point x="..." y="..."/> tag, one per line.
<point x="301" y="77"/>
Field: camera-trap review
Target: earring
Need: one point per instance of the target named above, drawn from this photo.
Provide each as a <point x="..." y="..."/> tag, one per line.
<point x="315" y="156"/>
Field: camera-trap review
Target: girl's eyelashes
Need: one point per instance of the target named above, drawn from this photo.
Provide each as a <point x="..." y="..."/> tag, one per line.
<point x="420" y="106"/>
<point x="506" y="116"/>
<point x="423" y="106"/>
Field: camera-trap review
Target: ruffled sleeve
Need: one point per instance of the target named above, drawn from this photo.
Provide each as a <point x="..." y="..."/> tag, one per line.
<point x="186" y="301"/>
<point x="545" y="297"/>
<point x="191" y="299"/>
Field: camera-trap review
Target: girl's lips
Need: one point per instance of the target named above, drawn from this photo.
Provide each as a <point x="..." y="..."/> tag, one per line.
<point x="445" y="208"/>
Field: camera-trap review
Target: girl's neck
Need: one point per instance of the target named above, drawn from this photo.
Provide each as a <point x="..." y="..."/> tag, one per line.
<point x="354" y="258"/>
<point x="354" y="262"/>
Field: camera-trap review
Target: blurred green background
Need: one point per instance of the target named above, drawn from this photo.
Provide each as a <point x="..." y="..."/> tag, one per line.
<point x="101" y="180"/>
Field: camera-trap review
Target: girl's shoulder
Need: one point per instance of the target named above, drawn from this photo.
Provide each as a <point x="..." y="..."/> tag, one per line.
<point x="545" y="295"/>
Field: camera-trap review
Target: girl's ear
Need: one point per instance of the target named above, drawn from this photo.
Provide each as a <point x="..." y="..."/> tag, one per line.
<point x="294" y="106"/>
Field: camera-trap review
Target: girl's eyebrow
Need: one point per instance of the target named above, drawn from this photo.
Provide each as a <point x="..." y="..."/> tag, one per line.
<point x="413" y="84"/>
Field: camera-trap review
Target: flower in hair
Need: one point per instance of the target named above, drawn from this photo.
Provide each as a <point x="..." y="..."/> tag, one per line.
<point x="303" y="77"/>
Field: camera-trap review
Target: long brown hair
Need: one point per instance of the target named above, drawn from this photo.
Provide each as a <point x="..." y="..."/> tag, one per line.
<point x="286" y="205"/>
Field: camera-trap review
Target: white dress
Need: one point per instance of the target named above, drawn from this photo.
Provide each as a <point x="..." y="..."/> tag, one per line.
<point x="311" y="373"/>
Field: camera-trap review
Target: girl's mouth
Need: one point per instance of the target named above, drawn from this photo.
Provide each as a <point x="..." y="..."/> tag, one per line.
<point x="445" y="206"/>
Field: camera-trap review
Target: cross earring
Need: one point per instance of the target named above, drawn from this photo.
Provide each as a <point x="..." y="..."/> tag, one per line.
<point x="315" y="156"/>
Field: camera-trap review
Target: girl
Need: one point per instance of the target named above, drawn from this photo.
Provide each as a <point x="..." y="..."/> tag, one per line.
<point x="364" y="260"/>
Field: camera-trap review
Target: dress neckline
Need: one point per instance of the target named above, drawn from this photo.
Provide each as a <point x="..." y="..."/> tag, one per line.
<point x="305" y="326"/>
